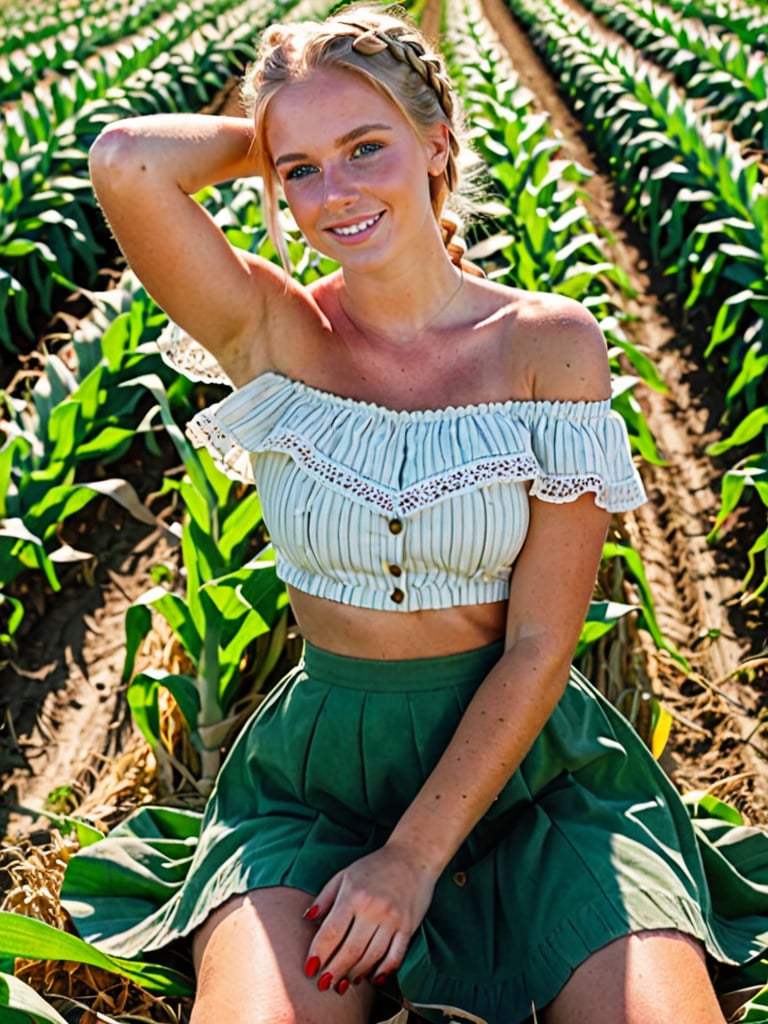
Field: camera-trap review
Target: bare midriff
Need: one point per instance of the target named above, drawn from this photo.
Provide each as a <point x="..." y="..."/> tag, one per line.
<point x="393" y="636"/>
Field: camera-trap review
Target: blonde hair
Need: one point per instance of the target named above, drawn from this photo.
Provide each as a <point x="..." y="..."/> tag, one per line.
<point x="389" y="52"/>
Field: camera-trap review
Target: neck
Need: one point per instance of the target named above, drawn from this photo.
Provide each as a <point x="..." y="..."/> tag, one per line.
<point x="399" y="311"/>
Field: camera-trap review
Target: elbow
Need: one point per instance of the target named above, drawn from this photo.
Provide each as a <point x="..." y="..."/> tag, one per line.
<point x="548" y="656"/>
<point x="111" y="155"/>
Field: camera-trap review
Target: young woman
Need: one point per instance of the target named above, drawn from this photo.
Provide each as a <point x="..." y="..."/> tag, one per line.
<point x="433" y="795"/>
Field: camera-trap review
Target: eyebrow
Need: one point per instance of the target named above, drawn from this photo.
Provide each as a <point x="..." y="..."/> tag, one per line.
<point x="343" y="140"/>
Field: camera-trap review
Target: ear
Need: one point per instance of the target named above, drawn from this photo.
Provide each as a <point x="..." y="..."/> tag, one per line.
<point x="438" y="145"/>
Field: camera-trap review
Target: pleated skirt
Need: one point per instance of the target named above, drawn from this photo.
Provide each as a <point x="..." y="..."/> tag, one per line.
<point x="587" y="842"/>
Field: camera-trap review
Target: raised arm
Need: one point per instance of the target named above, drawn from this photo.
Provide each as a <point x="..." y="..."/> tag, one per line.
<point x="145" y="171"/>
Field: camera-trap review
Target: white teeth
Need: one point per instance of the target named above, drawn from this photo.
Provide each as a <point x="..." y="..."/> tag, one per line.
<point x="355" y="229"/>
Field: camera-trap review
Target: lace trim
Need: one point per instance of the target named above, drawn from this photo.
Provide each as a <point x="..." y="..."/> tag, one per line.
<point x="614" y="497"/>
<point x="183" y="353"/>
<point x="229" y="456"/>
<point x="413" y="498"/>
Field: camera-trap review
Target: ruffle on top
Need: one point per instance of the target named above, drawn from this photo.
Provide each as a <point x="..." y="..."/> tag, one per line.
<point x="565" y="449"/>
<point x="402" y="462"/>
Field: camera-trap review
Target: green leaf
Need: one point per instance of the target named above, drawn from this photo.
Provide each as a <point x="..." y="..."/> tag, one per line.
<point x="176" y="613"/>
<point x="20" y="1004"/>
<point x="756" y="1010"/>
<point x="702" y="804"/>
<point x="24" y="936"/>
<point x="640" y="433"/>
<point x="143" y="695"/>
<point x="155" y="386"/>
<point x="648" y="613"/>
<point x="646" y="367"/>
<point x="731" y="490"/>
<point x="750" y="427"/>
<point x="15" y="616"/>
<point x="86" y="833"/>
<point x="760" y="547"/>
<point x="240" y="525"/>
<point x="138" y="622"/>
<point x="601" y="618"/>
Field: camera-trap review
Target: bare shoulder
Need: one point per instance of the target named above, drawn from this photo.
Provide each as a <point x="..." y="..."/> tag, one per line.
<point x="561" y="346"/>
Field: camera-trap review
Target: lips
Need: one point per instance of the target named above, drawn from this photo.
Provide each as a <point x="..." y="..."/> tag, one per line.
<point x="350" y="230"/>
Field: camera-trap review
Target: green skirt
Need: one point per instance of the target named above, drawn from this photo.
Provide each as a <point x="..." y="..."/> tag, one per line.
<point x="587" y="842"/>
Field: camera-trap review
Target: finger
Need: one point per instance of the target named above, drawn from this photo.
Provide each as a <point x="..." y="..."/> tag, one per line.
<point x="377" y="951"/>
<point x="394" y="956"/>
<point x="324" y="900"/>
<point x="327" y="940"/>
<point x="365" y="943"/>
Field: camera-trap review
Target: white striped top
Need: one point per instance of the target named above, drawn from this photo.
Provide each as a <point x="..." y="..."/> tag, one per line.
<point x="409" y="510"/>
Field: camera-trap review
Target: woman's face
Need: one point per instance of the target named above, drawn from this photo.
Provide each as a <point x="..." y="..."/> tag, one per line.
<point x="354" y="172"/>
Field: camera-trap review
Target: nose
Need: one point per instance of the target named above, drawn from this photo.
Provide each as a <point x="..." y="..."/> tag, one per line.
<point x="339" y="191"/>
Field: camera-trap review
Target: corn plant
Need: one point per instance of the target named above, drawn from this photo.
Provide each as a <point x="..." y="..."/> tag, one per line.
<point x="78" y="412"/>
<point x="705" y="208"/>
<point x="748" y="22"/>
<point x="730" y="77"/>
<point x="46" y="203"/>
<point x="230" y="600"/>
<point x="68" y="46"/>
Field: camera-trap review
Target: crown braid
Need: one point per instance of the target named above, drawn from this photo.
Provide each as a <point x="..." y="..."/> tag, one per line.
<point x="408" y="51"/>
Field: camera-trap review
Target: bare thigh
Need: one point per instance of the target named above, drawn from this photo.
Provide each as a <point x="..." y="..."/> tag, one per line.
<point x="249" y="958"/>
<point x="648" y="978"/>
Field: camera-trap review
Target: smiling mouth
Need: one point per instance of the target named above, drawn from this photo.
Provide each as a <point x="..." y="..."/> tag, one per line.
<point x="356" y="229"/>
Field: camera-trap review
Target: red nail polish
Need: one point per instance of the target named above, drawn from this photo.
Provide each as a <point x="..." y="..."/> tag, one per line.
<point x="379" y="979"/>
<point x="342" y="987"/>
<point x="359" y="979"/>
<point x="311" y="914"/>
<point x="325" y="981"/>
<point x="311" y="966"/>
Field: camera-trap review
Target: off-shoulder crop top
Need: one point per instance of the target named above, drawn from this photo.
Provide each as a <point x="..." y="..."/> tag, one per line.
<point x="410" y="510"/>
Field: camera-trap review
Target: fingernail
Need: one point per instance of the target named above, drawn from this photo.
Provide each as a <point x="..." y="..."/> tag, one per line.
<point x="342" y="987"/>
<point x="311" y="914"/>
<point x="359" y="979"/>
<point x="325" y="981"/>
<point x="379" y="979"/>
<point x="311" y="966"/>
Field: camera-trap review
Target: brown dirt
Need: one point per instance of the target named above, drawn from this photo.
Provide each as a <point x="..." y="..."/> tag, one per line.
<point x="63" y="709"/>
<point x="63" y="712"/>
